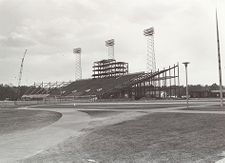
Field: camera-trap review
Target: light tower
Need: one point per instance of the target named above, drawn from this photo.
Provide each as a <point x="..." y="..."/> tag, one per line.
<point x="110" y="45"/>
<point x="78" y="70"/>
<point x="151" y="63"/>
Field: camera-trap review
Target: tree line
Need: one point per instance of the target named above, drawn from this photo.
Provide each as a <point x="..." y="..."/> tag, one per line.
<point x="8" y="92"/>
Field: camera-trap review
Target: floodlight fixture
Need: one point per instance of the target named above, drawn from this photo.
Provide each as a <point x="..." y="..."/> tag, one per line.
<point x="77" y="50"/>
<point x="110" y="44"/>
<point x="149" y="31"/>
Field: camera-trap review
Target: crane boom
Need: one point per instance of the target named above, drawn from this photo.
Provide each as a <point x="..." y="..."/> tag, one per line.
<point x="21" y="68"/>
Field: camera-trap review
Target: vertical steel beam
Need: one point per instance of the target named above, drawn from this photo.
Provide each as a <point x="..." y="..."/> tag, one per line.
<point x="174" y="75"/>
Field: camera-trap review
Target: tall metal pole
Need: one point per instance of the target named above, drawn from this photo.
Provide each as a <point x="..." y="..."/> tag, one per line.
<point x="21" y="68"/>
<point x="186" y="71"/>
<point x="178" y="79"/>
<point x="219" y="62"/>
<point x="20" y="74"/>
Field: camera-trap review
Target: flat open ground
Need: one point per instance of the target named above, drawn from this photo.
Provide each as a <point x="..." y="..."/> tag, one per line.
<point x="120" y="132"/>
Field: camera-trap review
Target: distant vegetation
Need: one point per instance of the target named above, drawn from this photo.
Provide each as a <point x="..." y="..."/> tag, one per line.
<point x="8" y="92"/>
<point x="11" y="92"/>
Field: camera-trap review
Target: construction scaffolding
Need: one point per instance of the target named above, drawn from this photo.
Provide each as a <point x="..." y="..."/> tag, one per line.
<point x="40" y="91"/>
<point x="109" y="68"/>
<point x="159" y="84"/>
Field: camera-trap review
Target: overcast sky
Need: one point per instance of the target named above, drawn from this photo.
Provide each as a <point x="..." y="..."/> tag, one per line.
<point x="50" y="29"/>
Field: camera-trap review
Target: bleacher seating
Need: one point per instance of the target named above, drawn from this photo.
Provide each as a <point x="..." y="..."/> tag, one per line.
<point x="101" y="87"/>
<point x="96" y="86"/>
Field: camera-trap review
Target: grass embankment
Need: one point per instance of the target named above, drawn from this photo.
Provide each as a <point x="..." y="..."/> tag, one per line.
<point x="96" y="114"/>
<point x="13" y="120"/>
<point x="160" y="137"/>
<point x="206" y="108"/>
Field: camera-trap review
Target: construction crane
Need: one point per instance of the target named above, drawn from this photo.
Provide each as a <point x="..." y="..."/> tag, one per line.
<point x="21" y="72"/>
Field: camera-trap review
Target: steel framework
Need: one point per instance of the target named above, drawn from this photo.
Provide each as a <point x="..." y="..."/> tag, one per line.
<point x="159" y="84"/>
<point x="109" y="68"/>
<point x="78" y="69"/>
<point x="43" y="90"/>
<point x="151" y="63"/>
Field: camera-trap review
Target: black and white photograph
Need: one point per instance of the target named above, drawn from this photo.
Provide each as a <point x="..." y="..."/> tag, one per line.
<point x="112" y="81"/>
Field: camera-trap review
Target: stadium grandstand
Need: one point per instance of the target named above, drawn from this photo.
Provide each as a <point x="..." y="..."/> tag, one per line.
<point x="112" y="80"/>
<point x="159" y="84"/>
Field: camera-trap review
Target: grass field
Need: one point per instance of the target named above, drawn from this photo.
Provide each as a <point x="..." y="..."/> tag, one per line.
<point x="156" y="136"/>
<point x="207" y="108"/>
<point x="13" y="120"/>
<point x="159" y="137"/>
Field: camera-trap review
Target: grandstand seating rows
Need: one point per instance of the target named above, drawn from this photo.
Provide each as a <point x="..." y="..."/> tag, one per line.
<point x="96" y="86"/>
<point x="85" y="87"/>
<point x="93" y="87"/>
<point x="108" y="85"/>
